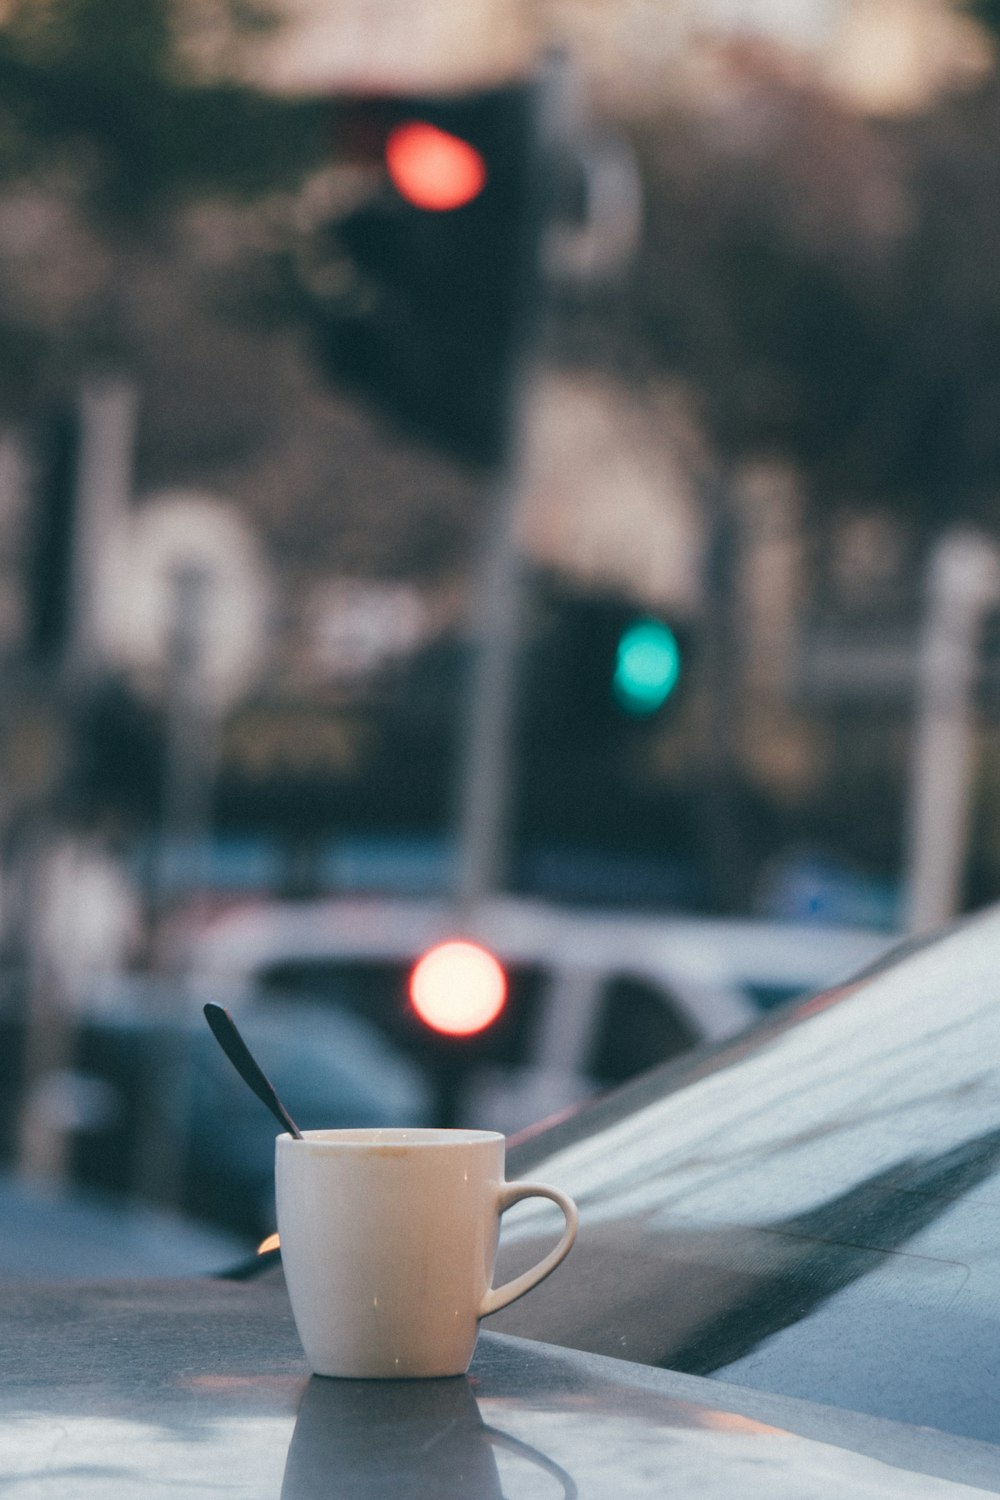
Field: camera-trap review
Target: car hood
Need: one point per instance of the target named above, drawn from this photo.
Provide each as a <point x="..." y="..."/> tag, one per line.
<point x="131" y="1389"/>
<point x="812" y="1210"/>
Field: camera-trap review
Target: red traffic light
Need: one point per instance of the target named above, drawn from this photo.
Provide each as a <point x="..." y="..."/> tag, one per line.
<point x="458" y="988"/>
<point x="433" y="169"/>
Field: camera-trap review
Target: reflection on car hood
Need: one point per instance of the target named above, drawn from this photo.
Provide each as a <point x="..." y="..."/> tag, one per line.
<point x="199" y="1387"/>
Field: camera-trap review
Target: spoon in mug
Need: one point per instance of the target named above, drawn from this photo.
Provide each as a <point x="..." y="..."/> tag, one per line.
<point x="228" y="1037"/>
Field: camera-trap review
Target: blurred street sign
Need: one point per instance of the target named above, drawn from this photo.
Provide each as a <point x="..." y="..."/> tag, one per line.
<point x="357" y="626"/>
<point x="294" y="739"/>
<point x="182" y="533"/>
<point x="844" y="664"/>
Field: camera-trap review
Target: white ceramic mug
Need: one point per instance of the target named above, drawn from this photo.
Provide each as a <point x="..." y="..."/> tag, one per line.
<point x="388" y="1241"/>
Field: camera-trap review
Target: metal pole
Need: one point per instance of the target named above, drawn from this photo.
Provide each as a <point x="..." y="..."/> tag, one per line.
<point x="485" y="785"/>
<point x="103" y="494"/>
<point x="963" y="585"/>
<point x="596" y="247"/>
<point x="102" y="485"/>
<point x="487" y="750"/>
<point x="180" y="868"/>
<point x="191" y="744"/>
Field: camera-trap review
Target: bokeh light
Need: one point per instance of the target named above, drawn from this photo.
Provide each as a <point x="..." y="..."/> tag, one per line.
<point x="458" y="988"/>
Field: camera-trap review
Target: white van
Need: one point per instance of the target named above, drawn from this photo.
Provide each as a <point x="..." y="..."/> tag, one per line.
<point x="593" y="996"/>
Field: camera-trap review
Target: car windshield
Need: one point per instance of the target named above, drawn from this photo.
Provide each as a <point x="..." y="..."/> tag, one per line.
<point x="812" y="1210"/>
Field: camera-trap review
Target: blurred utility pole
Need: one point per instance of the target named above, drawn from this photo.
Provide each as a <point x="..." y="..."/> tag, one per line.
<point x="99" y="493"/>
<point x="487" y="725"/>
<point x="963" y="586"/>
<point x="720" y="812"/>
<point x="179" y="868"/>
<point x="103" y="493"/>
<point x="590" y="245"/>
<point x="491" y="698"/>
<point x="192" y="733"/>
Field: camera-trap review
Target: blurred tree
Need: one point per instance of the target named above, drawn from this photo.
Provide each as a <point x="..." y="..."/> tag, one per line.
<point x="986" y="12"/>
<point x="929" y="438"/>
<point x="763" y="281"/>
<point x="146" y="201"/>
<point x="108" y="126"/>
<point x="766" y="273"/>
<point x="106" y="87"/>
<point x="825" y="286"/>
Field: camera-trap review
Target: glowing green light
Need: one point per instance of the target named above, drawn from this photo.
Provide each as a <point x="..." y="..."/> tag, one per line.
<point x="647" y="667"/>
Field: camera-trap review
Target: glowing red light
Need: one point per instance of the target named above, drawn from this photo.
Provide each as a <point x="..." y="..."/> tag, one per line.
<point x="432" y="169"/>
<point x="458" y="988"/>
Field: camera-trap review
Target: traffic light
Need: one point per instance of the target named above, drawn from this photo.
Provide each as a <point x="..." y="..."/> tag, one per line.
<point x="421" y="294"/>
<point x="647" y="666"/>
<point x="603" y="667"/>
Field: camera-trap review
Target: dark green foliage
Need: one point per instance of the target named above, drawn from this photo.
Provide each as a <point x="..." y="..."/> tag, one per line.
<point x="756" y="287"/>
<point x="827" y="289"/>
<point x="986" y="12"/>
<point x="107" y="130"/>
<point x="99" y="83"/>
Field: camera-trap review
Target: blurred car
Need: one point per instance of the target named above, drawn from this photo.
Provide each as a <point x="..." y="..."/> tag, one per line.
<point x="59" y="1234"/>
<point x="149" y="1107"/>
<point x="592" y="997"/>
<point x="810" y="1213"/>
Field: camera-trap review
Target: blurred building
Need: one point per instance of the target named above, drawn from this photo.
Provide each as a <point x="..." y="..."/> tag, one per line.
<point x="882" y="55"/>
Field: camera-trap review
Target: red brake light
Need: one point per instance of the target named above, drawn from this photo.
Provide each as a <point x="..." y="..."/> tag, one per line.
<point x="458" y="988"/>
<point x="432" y="169"/>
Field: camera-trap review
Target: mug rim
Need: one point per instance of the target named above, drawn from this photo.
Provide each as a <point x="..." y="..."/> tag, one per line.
<point x="378" y="1137"/>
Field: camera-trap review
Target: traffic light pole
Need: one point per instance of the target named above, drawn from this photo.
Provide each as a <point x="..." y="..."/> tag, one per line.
<point x="487" y="752"/>
<point x="489" y="721"/>
<point x="487" y="749"/>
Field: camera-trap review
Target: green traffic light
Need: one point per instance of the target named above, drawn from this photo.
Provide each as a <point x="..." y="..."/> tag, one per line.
<point x="647" y="666"/>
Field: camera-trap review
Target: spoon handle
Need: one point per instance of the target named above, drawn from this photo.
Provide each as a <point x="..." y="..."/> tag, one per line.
<point x="228" y="1037"/>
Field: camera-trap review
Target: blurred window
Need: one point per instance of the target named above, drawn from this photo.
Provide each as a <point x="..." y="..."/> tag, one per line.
<point x="637" y="1026"/>
<point x="768" y="996"/>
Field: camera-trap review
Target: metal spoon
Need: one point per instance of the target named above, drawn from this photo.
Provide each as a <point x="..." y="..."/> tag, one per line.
<point x="239" y="1054"/>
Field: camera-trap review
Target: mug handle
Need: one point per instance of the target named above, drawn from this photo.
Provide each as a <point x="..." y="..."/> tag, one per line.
<point x="509" y="1194"/>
